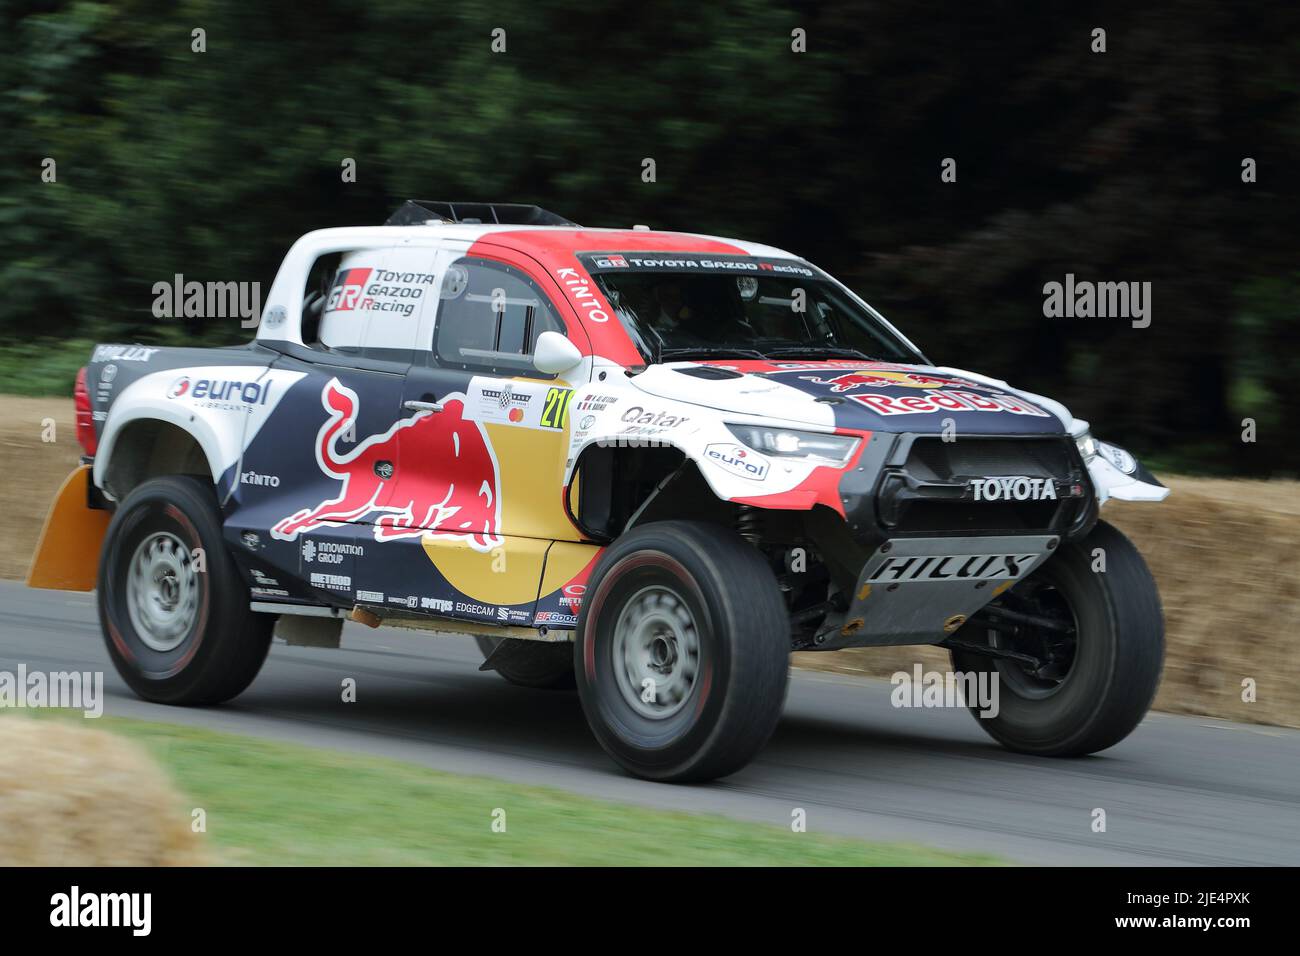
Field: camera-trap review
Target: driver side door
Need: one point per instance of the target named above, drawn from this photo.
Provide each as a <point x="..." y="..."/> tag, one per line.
<point x="480" y="493"/>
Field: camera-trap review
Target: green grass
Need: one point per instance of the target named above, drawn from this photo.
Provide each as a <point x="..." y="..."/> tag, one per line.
<point x="43" y="366"/>
<point x="279" y="804"/>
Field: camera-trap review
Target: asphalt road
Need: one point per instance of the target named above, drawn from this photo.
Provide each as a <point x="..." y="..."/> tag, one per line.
<point x="1180" y="790"/>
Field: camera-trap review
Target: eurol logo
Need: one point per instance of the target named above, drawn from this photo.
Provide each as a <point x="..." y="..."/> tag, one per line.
<point x="738" y="460"/>
<point x="229" y="391"/>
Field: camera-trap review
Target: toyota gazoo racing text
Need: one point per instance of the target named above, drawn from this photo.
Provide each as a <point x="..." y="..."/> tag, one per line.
<point x="647" y="464"/>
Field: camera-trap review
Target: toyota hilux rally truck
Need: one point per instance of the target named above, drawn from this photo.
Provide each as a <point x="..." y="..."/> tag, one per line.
<point x="649" y="463"/>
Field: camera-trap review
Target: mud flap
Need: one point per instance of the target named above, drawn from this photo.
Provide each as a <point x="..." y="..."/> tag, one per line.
<point x="67" y="557"/>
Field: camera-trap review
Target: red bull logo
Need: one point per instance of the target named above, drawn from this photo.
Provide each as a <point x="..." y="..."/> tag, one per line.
<point x="446" y="484"/>
<point x="876" y="378"/>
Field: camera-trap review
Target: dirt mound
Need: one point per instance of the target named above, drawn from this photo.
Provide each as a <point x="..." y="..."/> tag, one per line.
<point x="71" y="795"/>
<point x="34" y="468"/>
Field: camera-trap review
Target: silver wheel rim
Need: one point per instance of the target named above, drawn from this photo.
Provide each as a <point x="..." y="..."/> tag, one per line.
<point x="162" y="592"/>
<point x="656" y="651"/>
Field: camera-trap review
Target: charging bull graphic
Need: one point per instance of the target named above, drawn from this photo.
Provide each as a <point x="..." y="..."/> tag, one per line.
<point x="876" y="378"/>
<point x="447" y="483"/>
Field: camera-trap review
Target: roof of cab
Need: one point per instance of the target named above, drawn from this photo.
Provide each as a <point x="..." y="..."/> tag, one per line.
<point x="553" y="239"/>
<point x="535" y="230"/>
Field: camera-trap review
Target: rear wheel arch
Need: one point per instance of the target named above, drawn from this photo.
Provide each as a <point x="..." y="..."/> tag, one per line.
<point x="145" y="448"/>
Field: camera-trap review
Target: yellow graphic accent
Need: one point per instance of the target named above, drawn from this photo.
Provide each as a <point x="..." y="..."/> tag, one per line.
<point x="564" y="562"/>
<point x="511" y="573"/>
<point x="530" y="468"/>
<point x="505" y="575"/>
<point x="67" y="558"/>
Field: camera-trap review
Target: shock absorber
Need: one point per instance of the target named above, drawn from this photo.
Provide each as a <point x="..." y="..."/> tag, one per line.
<point x="749" y="523"/>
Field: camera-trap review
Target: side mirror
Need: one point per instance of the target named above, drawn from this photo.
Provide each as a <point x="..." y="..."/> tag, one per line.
<point x="555" y="353"/>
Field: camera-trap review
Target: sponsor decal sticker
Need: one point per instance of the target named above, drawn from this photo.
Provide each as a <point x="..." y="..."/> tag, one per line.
<point x="334" y="582"/>
<point x="940" y="567"/>
<point x="645" y="418"/>
<point x="948" y="400"/>
<point x="330" y="552"/>
<point x="555" y="617"/>
<point x="687" y="262"/>
<point x="578" y="288"/>
<point x="880" y="378"/>
<point x="450" y="489"/>
<point x="1013" y="489"/>
<point x="595" y="403"/>
<point x="122" y="353"/>
<point x="738" y="460"/>
<point x="377" y="290"/>
<point x="228" y="395"/>
<point x="253" y="478"/>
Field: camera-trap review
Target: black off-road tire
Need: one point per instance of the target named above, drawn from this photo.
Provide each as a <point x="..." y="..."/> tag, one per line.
<point x="1117" y="657"/>
<point x="219" y="643"/>
<point x="705" y="588"/>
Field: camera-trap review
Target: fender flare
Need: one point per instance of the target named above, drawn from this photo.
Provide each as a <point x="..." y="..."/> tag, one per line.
<point x="155" y="410"/>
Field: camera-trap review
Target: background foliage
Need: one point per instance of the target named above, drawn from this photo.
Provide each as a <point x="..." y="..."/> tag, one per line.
<point x="1123" y="166"/>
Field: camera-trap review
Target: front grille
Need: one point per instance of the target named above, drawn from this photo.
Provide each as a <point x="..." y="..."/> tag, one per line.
<point x="925" y="490"/>
<point x="969" y="517"/>
<point x="937" y="460"/>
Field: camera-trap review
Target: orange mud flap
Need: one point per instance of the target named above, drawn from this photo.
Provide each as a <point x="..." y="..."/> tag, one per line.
<point x="67" y="558"/>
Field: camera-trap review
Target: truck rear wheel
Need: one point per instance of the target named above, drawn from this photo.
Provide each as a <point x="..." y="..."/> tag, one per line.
<point x="172" y="606"/>
<point x="682" y="651"/>
<point x="1098" y="637"/>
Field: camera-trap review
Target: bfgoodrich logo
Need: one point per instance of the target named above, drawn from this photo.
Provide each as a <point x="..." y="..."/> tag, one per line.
<point x="74" y="908"/>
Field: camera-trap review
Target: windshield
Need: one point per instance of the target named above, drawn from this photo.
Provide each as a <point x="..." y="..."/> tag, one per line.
<point x="683" y="305"/>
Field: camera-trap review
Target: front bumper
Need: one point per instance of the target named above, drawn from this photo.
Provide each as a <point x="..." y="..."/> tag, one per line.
<point x="935" y="552"/>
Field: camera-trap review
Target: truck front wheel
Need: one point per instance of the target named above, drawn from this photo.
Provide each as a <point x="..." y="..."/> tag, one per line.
<point x="682" y="651"/>
<point x="1089" y="626"/>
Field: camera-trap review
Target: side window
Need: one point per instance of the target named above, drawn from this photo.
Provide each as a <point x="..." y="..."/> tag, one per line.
<point x="375" y="302"/>
<point x="489" y="317"/>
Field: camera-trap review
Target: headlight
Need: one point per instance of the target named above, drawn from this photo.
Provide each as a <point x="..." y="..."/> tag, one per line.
<point x="1087" y="447"/>
<point x="789" y="443"/>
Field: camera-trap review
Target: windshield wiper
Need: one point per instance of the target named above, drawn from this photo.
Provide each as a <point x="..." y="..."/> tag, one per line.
<point x="795" y="351"/>
<point x="705" y="352"/>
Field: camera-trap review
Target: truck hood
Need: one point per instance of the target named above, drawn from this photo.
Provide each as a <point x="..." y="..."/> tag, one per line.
<point x="858" y="395"/>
